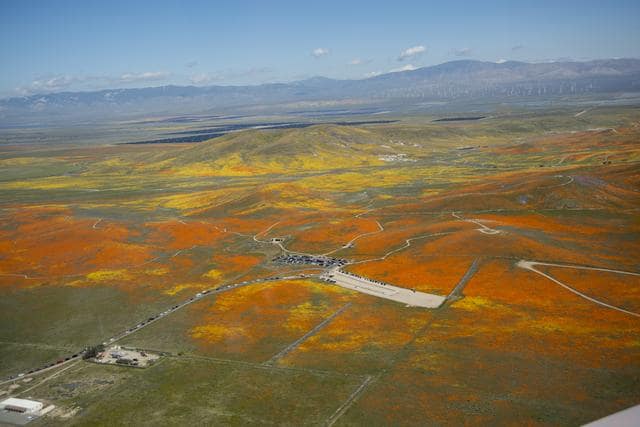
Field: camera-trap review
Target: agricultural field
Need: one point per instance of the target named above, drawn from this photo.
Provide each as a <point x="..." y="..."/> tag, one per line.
<point x="527" y="221"/>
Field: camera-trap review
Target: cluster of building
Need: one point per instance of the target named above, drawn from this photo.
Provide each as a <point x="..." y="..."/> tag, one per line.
<point x="400" y="157"/>
<point x="124" y="356"/>
<point x="22" y="406"/>
<point x="321" y="261"/>
<point x="22" y="411"/>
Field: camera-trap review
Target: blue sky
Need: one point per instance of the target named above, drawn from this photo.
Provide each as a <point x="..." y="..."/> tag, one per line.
<point x="48" y="46"/>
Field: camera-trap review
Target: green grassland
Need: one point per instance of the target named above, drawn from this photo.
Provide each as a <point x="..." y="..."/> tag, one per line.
<point x="58" y="321"/>
<point x="198" y="390"/>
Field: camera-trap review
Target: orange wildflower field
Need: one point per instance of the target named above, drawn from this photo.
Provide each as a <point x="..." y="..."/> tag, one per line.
<point x="217" y="256"/>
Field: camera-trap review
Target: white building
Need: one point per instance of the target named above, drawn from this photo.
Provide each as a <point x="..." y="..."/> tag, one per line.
<point x="22" y="406"/>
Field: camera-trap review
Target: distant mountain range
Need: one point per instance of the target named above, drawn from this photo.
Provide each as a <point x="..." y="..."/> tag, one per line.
<point x="456" y="80"/>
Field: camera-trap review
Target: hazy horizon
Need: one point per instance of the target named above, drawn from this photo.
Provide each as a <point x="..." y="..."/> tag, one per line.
<point x="151" y="85"/>
<point x="80" y="46"/>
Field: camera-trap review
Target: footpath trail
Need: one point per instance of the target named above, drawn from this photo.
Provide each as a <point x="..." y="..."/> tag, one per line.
<point x="277" y="243"/>
<point x="55" y="374"/>
<point x="562" y="184"/>
<point x="582" y="112"/>
<point x="406" y="244"/>
<point x="359" y="236"/>
<point x="483" y="228"/>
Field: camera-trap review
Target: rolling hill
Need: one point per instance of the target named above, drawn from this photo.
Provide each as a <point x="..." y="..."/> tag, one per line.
<point x="323" y="147"/>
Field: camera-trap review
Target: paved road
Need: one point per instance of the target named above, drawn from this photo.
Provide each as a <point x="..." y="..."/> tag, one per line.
<point x="42" y="370"/>
<point x="141" y="325"/>
<point x="205" y="293"/>
<point x="416" y="298"/>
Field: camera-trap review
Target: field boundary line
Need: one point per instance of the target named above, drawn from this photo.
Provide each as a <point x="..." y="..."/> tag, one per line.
<point x="350" y="401"/>
<point x="255" y="365"/>
<point x="456" y="293"/>
<point x="306" y="336"/>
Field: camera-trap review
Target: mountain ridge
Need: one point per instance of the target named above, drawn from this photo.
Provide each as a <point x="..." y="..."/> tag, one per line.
<point x="447" y="81"/>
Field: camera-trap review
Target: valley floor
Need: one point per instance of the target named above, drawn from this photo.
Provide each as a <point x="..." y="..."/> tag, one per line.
<point x="525" y="243"/>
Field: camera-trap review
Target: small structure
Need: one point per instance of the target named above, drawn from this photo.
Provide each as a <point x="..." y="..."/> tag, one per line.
<point x="121" y="356"/>
<point x="22" y="406"/>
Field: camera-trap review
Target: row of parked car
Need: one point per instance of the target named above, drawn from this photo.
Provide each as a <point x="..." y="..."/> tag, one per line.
<point x="42" y="368"/>
<point x="321" y="261"/>
<point x="364" y="278"/>
<point x="132" y="329"/>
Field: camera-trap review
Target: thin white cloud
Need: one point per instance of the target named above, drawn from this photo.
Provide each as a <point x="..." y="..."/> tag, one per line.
<point x="372" y="74"/>
<point x="230" y="75"/>
<point x="408" y="67"/>
<point x="204" y="78"/>
<point x="57" y="83"/>
<point x="359" y="61"/>
<point x="465" y="51"/>
<point x="319" y="52"/>
<point x="142" y="77"/>
<point x="50" y="84"/>
<point x="60" y="83"/>
<point x="501" y="61"/>
<point x="411" y="52"/>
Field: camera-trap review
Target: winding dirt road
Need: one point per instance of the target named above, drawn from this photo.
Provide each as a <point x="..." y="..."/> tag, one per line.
<point x="483" y="228"/>
<point x="530" y="265"/>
